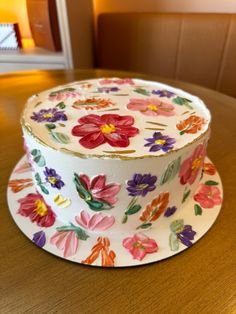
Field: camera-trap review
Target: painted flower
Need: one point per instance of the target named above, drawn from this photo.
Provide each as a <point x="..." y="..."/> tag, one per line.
<point x="92" y="103"/>
<point x="191" y="166"/>
<point x="154" y="210"/>
<point x="23" y="167"/>
<point x="141" y="184"/>
<point x="151" y="107"/>
<point x="118" y="81"/>
<point x="66" y="241"/>
<point x="96" y="222"/>
<point x="106" y="89"/>
<point x="208" y="196"/>
<point x="109" y="128"/>
<point x="163" y="93"/>
<point x="139" y="245"/>
<point x="63" y="94"/>
<point x="107" y="256"/>
<point x="39" y="238"/>
<point x="159" y="141"/>
<point x="191" y="125"/>
<point x="53" y="178"/>
<point x="34" y="207"/>
<point x="49" y="115"/>
<point x="19" y="184"/>
<point x="180" y="233"/>
<point x="209" y="168"/>
<point x="170" y="211"/>
<point x="99" y="189"/>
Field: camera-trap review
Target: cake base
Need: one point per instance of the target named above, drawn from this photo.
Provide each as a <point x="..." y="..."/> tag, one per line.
<point x="178" y="231"/>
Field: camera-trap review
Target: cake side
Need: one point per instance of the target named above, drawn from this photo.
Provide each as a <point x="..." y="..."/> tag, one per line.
<point x="116" y="118"/>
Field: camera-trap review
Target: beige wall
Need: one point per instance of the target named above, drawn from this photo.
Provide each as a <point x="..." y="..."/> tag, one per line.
<point x="219" y="6"/>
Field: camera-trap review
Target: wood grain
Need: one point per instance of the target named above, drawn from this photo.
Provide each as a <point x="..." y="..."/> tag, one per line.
<point x="199" y="280"/>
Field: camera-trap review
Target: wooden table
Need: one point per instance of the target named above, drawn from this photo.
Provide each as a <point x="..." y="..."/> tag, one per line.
<point x="200" y="280"/>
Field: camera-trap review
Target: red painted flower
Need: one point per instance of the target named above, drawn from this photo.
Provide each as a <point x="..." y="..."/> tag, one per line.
<point x="191" y="166"/>
<point x="208" y="196"/>
<point x="151" y="107"/>
<point x="139" y="245"/>
<point x="113" y="129"/>
<point x="34" y="207"/>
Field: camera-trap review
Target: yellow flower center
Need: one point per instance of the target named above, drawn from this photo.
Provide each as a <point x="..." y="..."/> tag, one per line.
<point x="47" y="115"/>
<point x="41" y="208"/>
<point x="160" y="142"/>
<point x="141" y="186"/>
<point x="209" y="195"/>
<point x="52" y="180"/>
<point x="152" y="107"/>
<point x="138" y="245"/>
<point x="108" y="128"/>
<point x="197" y="163"/>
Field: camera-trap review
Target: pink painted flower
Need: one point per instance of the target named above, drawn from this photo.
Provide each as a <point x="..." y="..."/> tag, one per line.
<point x="151" y="107"/>
<point x="99" y="189"/>
<point x="191" y="166"/>
<point x="113" y="129"/>
<point x="96" y="222"/>
<point x="63" y="94"/>
<point x="139" y="245"/>
<point x="118" y="81"/>
<point x="34" y="207"/>
<point x="66" y="241"/>
<point x="208" y="196"/>
<point x="23" y="167"/>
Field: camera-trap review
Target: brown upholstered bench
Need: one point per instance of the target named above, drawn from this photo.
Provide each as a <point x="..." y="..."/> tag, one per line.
<point x="198" y="48"/>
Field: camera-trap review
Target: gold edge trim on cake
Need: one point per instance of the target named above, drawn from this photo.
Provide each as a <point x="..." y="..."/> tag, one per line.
<point x="28" y="129"/>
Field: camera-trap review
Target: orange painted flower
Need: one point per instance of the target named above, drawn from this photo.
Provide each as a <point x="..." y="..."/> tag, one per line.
<point x="191" y="125"/>
<point x="92" y="103"/>
<point x="209" y="168"/>
<point x="154" y="210"/>
<point x="19" y="184"/>
<point x="107" y="256"/>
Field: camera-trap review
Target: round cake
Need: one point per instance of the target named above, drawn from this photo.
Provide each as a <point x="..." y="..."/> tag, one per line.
<point x="113" y="159"/>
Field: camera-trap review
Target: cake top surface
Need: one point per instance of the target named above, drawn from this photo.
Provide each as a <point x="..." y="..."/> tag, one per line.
<point x="115" y="118"/>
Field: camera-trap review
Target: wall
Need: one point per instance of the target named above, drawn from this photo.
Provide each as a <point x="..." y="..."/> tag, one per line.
<point x="15" y="11"/>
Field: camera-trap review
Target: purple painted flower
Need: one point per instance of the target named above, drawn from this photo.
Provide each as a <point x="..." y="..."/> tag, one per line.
<point x="39" y="238"/>
<point x="160" y="142"/>
<point x="186" y="235"/>
<point x="170" y="211"/>
<point x="49" y="115"/>
<point x="163" y="93"/>
<point x="141" y="184"/>
<point x="53" y="178"/>
<point x="107" y="89"/>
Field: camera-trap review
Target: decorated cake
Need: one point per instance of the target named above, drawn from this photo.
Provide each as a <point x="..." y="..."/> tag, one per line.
<point x="114" y="161"/>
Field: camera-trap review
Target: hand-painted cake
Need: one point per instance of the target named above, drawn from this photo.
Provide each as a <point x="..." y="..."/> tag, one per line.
<point x="112" y="160"/>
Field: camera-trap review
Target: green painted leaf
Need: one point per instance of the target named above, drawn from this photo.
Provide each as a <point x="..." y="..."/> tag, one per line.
<point x="68" y="89"/>
<point x="145" y="225"/>
<point x="50" y="126"/>
<point x="125" y="219"/>
<point x="142" y="91"/>
<point x="98" y="205"/>
<point x="81" y="234"/>
<point x="171" y="171"/>
<point x="61" y="105"/>
<point x="40" y="161"/>
<point x="177" y="225"/>
<point x="35" y="152"/>
<point x="133" y="210"/>
<point x="197" y="210"/>
<point x="182" y="102"/>
<point x="82" y="191"/>
<point x="38" y="178"/>
<point x="43" y="189"/>
<point x="60" y="137"/>
<point x="173" y="242"/>
<point x="186" y="195"/>
<point x="210" y="182"/>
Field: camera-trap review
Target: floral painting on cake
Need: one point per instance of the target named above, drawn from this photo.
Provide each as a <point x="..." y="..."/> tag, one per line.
<point x="158" y="141"/>
<point x="49" y="115"/>
<point x="208" y="196"/>
<point x="180" y="233"/>
<point x="38" y="211"/>
<point x="191" y="125"/>
<point x="96" y="192"/>
<point x="92" y="103"/>
<point x="113" y="129"/>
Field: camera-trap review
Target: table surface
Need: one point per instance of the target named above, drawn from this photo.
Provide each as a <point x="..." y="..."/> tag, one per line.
<point x="202" y="279"/>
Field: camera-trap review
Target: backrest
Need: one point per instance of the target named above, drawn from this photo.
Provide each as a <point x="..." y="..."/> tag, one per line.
<point x="198" y="48"/>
